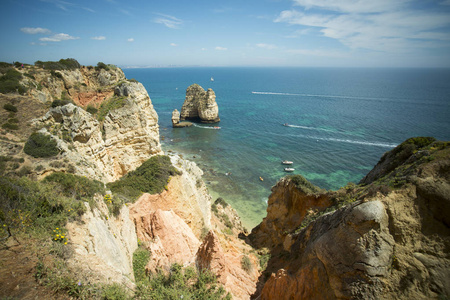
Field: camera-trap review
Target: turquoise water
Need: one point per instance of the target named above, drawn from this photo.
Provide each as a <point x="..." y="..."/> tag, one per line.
<point x="341" y="122"/>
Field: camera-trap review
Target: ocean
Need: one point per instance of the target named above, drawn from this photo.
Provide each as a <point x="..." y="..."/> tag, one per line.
<point x="341" y="121"/>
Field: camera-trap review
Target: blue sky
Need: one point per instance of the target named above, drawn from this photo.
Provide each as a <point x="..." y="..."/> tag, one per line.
<point x="318" y="33"/>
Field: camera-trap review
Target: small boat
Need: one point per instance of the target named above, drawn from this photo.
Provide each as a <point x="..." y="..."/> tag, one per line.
<point x="287" y="162"/>
<point x="289" y="169"/>
<point x="286" y="124"/>
<point x="260" y="178"/>
<point x="216" y="127"/>
<point x="212" y="79"/>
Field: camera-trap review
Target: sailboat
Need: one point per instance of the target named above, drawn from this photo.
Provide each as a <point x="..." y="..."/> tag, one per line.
<point x="212" y="79"/>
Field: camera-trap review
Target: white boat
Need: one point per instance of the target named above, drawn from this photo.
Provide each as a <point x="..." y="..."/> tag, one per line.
<point x="212" y="79"/>
<point x="289" y="169"/>
<point x="287" y="162"/>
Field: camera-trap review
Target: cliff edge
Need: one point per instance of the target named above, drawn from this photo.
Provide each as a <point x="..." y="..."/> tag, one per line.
<point x="386" y="238"/>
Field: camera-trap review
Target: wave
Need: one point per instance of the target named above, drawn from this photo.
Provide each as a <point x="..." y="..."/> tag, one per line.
<point x="377" y="144"/>
<point x="308" y="128"/>
<point x="324" y="96"/>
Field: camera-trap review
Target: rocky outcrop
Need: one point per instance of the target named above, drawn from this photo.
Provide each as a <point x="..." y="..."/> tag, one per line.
<point x="287" y="206"/>
<point x="385" y="244"/>
<point x="120" y="143"/>
<point x="103" y="244"/>
<point x="176" y="120"/>
<point x="200" y="104"/>
<point x="170" y="240"/>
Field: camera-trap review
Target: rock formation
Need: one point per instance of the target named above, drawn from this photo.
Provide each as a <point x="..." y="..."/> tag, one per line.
<point x="387" y="241"/>
<point x="176" y="120"/>
<point x="200" y="104"/>
<point x="120" y="143"/>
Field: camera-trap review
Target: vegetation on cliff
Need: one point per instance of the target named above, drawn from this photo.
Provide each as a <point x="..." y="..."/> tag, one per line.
<point x="151" y="177"/>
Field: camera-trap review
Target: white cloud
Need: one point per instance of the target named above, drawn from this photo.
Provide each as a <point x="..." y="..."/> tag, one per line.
<point x="352" y="6"/>
<point x="60" y="4"/>
<point x="130" y="40"/>
<point x="168" y="21"/>
<point x="203" y="49"/>
<point x="58" y="38"/>
<point x="266" y="46"/>
<point x="220" y="48"/>
<point x="173" y="45"/>
<point x="36" y="30"/>
<point x="98" y="38"/>
<point x="382" y="25"/>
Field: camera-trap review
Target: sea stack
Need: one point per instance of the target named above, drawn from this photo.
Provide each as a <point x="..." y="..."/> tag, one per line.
<point x="176" y="120"/>
<point x="200" y="105"/>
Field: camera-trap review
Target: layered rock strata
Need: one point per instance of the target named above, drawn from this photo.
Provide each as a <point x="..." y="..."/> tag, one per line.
<point x="200" y="104"/>
<point x="386" y="244"/>
<point x="120" y="143"/>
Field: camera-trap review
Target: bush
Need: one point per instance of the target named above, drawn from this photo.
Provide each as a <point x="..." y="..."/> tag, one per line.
<point x="40" y="145"/>
<point x="91" y="109"/>
<point x="75" y="186"/>
<point x="150" y="177"/>
<point x="246" y="264"/>
<point x="109" y="105"/>
<point x="10" y="126"/>
<point x="62" y="64"/>
<point x="57" y="75"/>
<point x="59" y="102"/>
<point x="101" y="65"/>
<point x="10" y="82"/>
<point x="304" y="185"/>
<point x="140" y="260"/>
<point x="221" y="202"/>
<point x="186" y="283"/>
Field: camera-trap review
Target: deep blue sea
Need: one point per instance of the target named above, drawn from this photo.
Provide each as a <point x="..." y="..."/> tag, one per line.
<point x="341" y="122"/>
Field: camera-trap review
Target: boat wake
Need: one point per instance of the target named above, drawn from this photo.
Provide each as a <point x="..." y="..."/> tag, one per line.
<point x="206" y="127"/>
<point x="324" y="96"/>
<point x="308" y="128"/>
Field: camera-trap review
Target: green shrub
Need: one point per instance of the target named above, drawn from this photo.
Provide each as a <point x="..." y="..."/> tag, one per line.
<point x="221" y="202"/>
<point x="10" y="107"/>
<point x="75" y="186"/>
<point x="10" y="82"/>
<point x="115" y="291"/>
<point x="140" y="260"/>
<point x="10" y="126"/>
<point x="101" y="65"/>
<point x="304" y="185"/>
<point x="4" y="66"/>
<point x="62" y="64"/>
<point x="182" y="283"/>
<point x="59" y="102"/>
<point x="246" y="264"/>
<point x="91" y="109"/>
<point x="40" y="145"/>
<point x="150" y="177"/>
<point x="109" y="105"/>
<point x="57" y="75"/>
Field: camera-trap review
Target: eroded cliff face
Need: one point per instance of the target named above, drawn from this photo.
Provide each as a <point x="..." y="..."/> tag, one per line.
<point x="106" y="150"/>
<point x="200" y="104"/>
<point x="103" y="245"/>
<point x="173" y="223"/>
<point x="390" y="241"/>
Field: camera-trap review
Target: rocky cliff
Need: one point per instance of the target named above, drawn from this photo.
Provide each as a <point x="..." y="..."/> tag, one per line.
<point x="387" y="238"/>
<point x="119" y="133"/>
<point x="200" y="104"/>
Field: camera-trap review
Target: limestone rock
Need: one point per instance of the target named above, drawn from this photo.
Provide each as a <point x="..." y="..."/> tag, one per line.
<point x="127" y="137"/>
<point x="200" y="104"/>
<point x="175" y="117"/>
<point x="104" y="244"/>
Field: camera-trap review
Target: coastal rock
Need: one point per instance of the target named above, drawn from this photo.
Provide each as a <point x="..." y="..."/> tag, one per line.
<point x="210" y="256"/>
<point x="200" y="104"/>
<point x="175" y="117"/>
<point x="387" y="244"/>
<point x="103" y="244"/>
<point x="126" y="138"/>
<point x="170" y="239"/>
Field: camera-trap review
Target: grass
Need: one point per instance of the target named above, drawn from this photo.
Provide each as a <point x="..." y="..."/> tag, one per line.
<point x="151" y="177"/>
<point x="40" y="145"/>
<point x="140" y="259"/>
